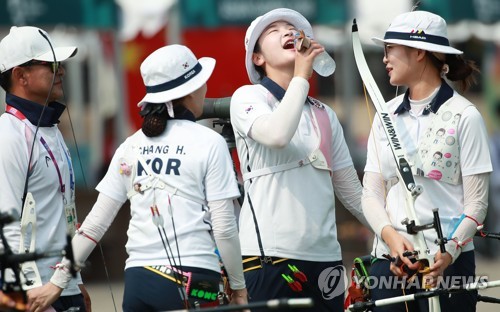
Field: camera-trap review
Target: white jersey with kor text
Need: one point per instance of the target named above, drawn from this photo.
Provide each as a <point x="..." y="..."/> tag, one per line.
<point x="295" y="208"/>
<point x="43" y="184"/>
<point x="189" y="159"/>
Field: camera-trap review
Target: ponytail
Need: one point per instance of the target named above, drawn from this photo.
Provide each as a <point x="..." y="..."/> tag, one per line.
<point x="462" y="71"/>
<point x="155" y="119"/>
<point x="455" y="68"/>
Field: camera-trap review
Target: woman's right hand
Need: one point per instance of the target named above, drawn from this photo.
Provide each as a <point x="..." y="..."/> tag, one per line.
<point x="304" y="60"/>
<point x="398" y="244"/>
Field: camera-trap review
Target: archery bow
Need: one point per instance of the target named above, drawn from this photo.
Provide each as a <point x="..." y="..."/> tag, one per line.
<point x="273" y="304"/>
<point x="412" y="191"/>
<point x="363" y="306"/>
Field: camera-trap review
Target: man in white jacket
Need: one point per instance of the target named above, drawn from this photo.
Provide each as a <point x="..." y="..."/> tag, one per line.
<point x="35" y="163"/>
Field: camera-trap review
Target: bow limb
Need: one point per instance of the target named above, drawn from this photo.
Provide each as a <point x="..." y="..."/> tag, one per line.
<point x="404" y="173"/>
<point x="398" y="150"/>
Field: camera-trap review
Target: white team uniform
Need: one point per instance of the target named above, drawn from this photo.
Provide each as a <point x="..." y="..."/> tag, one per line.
<point x="189" y="157"/>
<point x="295" y="208"/>
<point x="43" y="183"/>
<point x="449" y="198"/>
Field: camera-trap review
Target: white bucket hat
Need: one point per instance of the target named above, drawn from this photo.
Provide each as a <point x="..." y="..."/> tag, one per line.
<point x="420" y="30"/>
<point x="27" y="43"/>
<point x="172" y="72"/>
<point x="260" y="23"/>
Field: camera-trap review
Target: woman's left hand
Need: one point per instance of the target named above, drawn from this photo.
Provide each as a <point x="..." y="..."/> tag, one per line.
<point x="441" y="262"/>
<point x="239" y="297"/>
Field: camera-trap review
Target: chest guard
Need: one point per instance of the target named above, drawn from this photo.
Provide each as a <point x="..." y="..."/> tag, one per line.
<point x="133" y="160"/>
<point x="438" y="156"/>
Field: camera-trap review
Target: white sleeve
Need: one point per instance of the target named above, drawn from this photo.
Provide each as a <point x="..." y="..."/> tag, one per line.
<point x="373" y="202"/>
<point x="473" y="142"/>
<point x="227" y="240"/>
<point x="13" y="168"/>
<point x="101" y="216"/>
<point x="220" y="180"/>
<point x="93" y="228"/>
<point x="277" y="129"/>
<point x="348" y="190"/>
<point x="475" y="208"/>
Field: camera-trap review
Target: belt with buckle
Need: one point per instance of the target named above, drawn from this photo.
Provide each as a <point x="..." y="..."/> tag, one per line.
<point x="253" y="262"/>
<point x="175" y="275"/>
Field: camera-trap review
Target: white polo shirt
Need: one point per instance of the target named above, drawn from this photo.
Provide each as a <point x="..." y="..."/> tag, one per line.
<point x="474" y="159"/>
<point x="43" y="183"/>
<point x="295" y="209"/>
<point x="187" y="156"/>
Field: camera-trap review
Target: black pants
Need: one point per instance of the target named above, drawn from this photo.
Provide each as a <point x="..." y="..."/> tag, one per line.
<point x="73" y="303"/>
<point x="326" y="284"/>
<point x="462" y="271"/>
<point x="148" y="291"/>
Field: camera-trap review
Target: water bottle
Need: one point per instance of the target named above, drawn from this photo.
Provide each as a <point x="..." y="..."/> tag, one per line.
<point x="323" y="64"/>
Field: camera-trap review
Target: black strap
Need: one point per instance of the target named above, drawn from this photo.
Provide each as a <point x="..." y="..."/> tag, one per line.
<point x="257" y="231"/>
<point x="278" y="92"/>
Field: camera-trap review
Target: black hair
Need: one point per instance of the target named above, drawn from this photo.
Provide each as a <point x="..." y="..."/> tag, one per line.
<point x="461" y="70"/>
<point x="155" y="119"/>
<point x="6" y="77"/>
<point x="259" y="69"/>
<point x="156" y="116"/>
<point x="5" y="80"/>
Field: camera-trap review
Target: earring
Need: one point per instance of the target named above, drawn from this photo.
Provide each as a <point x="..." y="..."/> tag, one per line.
<point x="445" y="69"/>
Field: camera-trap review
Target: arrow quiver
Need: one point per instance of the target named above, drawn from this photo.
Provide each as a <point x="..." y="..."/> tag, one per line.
<point x="359" y="290"/>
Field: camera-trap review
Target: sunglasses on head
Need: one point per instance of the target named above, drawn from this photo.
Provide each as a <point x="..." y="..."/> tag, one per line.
<point x="54" y="67"/>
